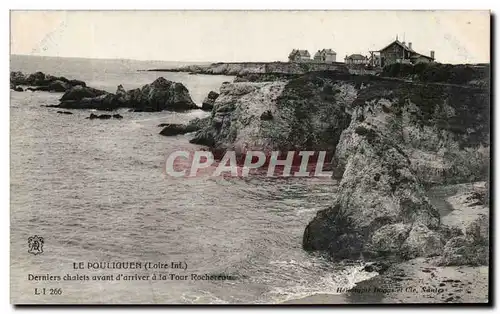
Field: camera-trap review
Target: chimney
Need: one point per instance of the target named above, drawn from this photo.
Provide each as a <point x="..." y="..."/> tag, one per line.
<point x="432" y="54"/>
<point x="409" y="45"/>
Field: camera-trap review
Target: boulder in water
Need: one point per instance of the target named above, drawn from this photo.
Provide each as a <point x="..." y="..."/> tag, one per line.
<point x="161" y="95"/>
<point x="77" y="93"/>
<point x="176" y="129"/>
<point x="102" y="116"/>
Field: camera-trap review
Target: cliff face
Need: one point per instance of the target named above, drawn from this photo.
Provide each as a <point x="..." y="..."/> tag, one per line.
<point x="390" y="138"/>
<point x="401" y="136"/>
<point x="300" y="114"/>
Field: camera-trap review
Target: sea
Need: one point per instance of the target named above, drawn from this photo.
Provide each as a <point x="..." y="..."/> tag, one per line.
<point x="95" y="191"/>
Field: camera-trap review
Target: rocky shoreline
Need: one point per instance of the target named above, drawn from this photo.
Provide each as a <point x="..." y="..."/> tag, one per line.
<point x="391" y="139"/>
<point x="160" y="95"/>
<point x="428" y="279"/>
<point x="245" y="68"/>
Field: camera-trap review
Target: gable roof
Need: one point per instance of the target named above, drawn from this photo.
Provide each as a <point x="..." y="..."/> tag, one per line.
<point x="397" y="42"/>
<point x="328" y="51"/>
<point x="302" y="53"/>
<point x="324" y="52"/>
<point x="413" y="53"/>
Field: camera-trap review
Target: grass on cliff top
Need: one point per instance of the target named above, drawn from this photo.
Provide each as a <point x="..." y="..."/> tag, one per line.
<point x="440" y="73"/>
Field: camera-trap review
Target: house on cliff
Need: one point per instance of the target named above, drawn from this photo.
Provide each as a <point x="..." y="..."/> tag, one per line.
<point x="356" y="59"/>
<point x="399" y="52"/>
<point x="325" y="56"/>
<point x="298" y="55"/>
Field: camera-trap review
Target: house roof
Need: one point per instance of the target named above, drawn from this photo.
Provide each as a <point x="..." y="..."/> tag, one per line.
<point x="356" y="56"/>
<point x="328" y="51"/>
<point x="302" y="53"/>
<point x="414" y="54"/>
<point x="324" y="52"/>
<point x="397" y="42"/>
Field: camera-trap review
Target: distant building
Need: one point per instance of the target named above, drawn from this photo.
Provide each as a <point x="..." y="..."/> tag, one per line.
<point x="325" y="56"/>
<point x="399" y="52"/>
<point x="298" y="55"/>
<point x="355" y="59"/>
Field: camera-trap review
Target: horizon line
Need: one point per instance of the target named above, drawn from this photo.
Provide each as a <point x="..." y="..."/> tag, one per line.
<point x="177" y="61"/>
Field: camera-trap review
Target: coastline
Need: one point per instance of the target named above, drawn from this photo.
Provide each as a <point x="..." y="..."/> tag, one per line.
<point x="422" y="280"/>
<point x="414" y="281"/>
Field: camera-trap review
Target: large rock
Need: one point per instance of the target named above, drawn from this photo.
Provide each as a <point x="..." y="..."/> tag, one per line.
<point x="36" y="79"/>
<point x="175" y="129"/>
<point x="40" y="81"/>
<point x="400" y="136"/>
<point x="422" y="241"/>
<point x="478" y="230"/>
<point x="464" y="251"/>
<point x="170" y="129"/>
<point x="383" y="201"/>
<point x="208" y="102"/>
<point x="159" y="95"/>
<point x="389" y="238"/>
<point x="79" y="92"/>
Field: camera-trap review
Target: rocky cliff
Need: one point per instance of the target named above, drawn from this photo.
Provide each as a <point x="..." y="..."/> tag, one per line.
<point x="300" y="114"/>
<point x="390" y="139"/>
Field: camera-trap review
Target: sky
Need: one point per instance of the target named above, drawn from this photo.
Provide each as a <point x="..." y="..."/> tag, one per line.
<point x="232" y="36"/>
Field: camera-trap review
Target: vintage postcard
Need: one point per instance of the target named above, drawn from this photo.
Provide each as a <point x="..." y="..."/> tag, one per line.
<point x="250" y="157"/>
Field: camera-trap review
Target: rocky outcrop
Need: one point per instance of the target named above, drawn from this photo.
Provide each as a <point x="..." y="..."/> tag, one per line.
<point x="468" y="244"/>
<point x="77" y="93"/>
<point x="40" y="81"/>
<point x="443" y="130"/>
<point x="160" y="95"/>
<point x="208" y="102"/>
<point x="381" y="207"/>
<point x="171" y="129"/>
<point x="306" y="114"/>
<point x="391" y="138"/>
<point x="176" y="129"/>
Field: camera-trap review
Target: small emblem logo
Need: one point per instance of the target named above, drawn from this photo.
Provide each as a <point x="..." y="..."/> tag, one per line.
<point x="35" y="245"/>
